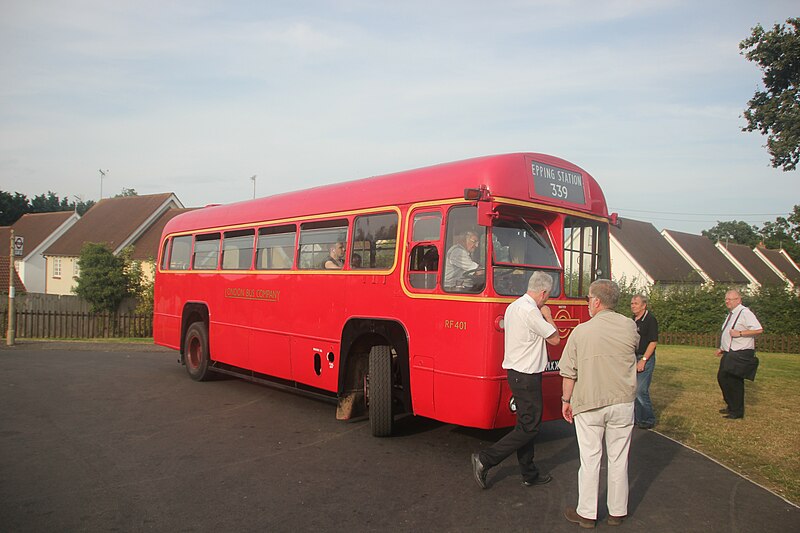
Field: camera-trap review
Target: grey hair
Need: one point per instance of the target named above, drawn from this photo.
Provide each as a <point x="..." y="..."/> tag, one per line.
<point x="540" y="281"/>
<point x="642" y="298"/>
<point x="606" y="291"/>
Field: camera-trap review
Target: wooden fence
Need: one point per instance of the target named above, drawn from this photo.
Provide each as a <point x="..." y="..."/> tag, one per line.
<point x="70" y="325"/>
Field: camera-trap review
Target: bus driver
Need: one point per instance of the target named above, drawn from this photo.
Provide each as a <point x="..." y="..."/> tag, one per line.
<point x="460" y="269"/>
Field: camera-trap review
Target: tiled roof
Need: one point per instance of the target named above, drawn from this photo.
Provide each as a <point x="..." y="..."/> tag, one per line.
<point x="783" y="264"/>
<point x="651" y="250"/>
<point x="146" y="246"/>
<point x="18" y="285"/>
<point x="753" y="264"/>
<point x="111" y="221"/>
<point x="708" y="258"/>
<point x="35" y="228"/>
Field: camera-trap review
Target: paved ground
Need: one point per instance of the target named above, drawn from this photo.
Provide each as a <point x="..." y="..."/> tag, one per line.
<point x="99" y="438"/>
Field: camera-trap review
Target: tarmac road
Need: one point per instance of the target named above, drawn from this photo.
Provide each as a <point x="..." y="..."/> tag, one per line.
<point x="109" y="437"/>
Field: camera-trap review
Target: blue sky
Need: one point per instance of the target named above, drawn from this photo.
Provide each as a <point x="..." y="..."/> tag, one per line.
<point x="195" y="97"/>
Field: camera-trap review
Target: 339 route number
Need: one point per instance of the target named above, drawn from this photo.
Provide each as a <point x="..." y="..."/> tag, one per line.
<point x="559" y="191"/>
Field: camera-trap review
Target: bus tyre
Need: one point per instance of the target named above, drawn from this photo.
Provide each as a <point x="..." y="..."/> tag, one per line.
<point x="380" y="391"/>
<point x="195" y="353"/>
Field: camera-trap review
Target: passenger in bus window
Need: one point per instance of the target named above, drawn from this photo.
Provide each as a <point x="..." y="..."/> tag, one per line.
<point x="460" y="270"/>
<point x="355" y="261"/>
<point x="335" y="261"/>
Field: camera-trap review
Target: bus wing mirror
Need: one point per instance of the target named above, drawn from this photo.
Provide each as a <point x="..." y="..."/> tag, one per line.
<point x="483" y="198"/>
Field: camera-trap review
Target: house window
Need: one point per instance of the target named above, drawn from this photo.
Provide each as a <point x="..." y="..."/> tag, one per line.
<point x="56" y="267"/>
<point x="76" y="268"/>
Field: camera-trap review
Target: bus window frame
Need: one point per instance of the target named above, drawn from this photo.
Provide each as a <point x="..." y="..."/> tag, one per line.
<point x="231" y="235"/>
<point x="437" y="245"/>
<point x="350" y="245"/>
<point x="332" y="224"/>
<point x="450" y="242"/>
<point x="206" y="237"/>
<point x="276" y="230"/>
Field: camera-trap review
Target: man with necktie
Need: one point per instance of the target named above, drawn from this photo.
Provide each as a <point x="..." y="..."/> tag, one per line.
<point x="738" y="334"/>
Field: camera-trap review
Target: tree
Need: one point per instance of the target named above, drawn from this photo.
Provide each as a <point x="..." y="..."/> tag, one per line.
<point x="12" y="207"/>
<point x="784" y="233"/>
<point x="775" y="112"/>
<point x="105" y="279"/>
<point x="48" y="203"/>
<point x="126" y="192"/>
<point x="82" y="206"/>
<point x="735" y="231"/>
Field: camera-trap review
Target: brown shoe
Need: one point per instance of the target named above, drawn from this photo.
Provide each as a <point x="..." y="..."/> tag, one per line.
<point x="572" y="515"/>
<point x="615" y="520"/>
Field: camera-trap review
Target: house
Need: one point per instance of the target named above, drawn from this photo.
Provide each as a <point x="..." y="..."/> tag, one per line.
<point x="751" y="265"/>
<point x="116" y="222"/>
<point x="39" y="231"/>
<point x="642" y="256"/>
<point x="145" y="249"/>
<point x="19" y="287"/>
<point x="783" y="265"/>
<point x="706" y="258"/>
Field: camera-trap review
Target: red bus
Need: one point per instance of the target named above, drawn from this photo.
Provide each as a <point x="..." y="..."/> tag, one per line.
<point x="385" y="295"/>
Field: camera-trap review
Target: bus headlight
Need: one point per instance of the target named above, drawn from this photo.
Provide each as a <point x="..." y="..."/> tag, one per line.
<point x="499" y="323"/>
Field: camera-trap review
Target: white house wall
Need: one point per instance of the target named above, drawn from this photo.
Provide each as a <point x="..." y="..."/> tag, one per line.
<point x="624" y="266"/>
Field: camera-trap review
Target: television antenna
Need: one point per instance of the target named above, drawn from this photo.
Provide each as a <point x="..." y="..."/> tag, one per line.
<point x="102" y="175"/>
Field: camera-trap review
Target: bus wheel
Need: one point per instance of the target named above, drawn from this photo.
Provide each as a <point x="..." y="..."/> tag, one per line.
<point x="195" y="352"/>
<point x="380" y="391"/>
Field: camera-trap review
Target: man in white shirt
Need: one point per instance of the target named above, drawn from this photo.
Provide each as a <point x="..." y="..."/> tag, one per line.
<point x="529" y="327"/>
<point x="738" y="334"/>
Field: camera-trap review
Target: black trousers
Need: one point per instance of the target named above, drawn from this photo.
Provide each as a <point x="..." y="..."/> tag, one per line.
<point x="527" y="391"/>
<point x="732" y="388"/>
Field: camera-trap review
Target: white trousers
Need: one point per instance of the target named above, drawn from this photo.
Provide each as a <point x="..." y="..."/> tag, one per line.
<point x="615" y="423"/>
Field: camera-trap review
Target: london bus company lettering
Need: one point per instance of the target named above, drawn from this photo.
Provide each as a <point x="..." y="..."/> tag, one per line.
<point x="368" y="335"/>
<point x="266" y="295"/>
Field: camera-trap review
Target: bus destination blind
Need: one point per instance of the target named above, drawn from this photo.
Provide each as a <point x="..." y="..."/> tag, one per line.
<point x="558" y="183"/>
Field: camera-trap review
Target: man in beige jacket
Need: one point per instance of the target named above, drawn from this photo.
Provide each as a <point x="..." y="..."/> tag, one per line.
<point x="598" y="368"/>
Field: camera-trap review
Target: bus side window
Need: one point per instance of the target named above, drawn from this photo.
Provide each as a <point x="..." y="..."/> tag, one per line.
<point x="465" y="257"/>
<point x="586" y="255"/>
<point x="206" y="252"/>
<point x="165" y="255"/>
<point x="237" y="250"/>
<point x="424" y="266"/>
<point x="424" y="259"/>
<point x="319" y="240"/>
<point x="276" y="248"/>
<point x="181" y="253"/>
<point x="374" y="241"/>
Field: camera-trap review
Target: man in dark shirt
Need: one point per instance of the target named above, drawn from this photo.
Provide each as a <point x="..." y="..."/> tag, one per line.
<point x="647" y="326"/>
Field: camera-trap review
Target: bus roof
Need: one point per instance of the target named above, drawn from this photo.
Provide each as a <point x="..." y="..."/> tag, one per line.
<point x="507" y="175"/>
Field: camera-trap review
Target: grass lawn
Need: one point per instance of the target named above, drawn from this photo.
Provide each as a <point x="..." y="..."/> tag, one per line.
<point x="763" y="446"/>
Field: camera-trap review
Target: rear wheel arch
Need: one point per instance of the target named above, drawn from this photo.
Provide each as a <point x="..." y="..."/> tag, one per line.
<point x="192" y="312"/>
<point x="359" y="337"/>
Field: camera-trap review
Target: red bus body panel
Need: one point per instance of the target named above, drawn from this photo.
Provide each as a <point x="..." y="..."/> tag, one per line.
<point x="276" y="323"/>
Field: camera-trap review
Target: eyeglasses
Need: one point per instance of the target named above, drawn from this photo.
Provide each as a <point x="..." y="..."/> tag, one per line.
<point x="589" y="298"/>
